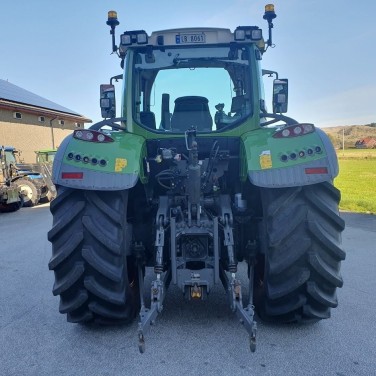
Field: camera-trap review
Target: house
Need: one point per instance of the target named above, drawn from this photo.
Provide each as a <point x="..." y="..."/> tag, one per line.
<point x="29" y="122"/>
<point x="366" y="143"/>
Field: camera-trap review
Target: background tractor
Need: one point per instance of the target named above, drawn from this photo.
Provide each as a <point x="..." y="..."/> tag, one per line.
<point x="33" y="179"/>
<point x="43" y="166"/>
<point x="192" y="180"/>
<point x="10" y="198"/>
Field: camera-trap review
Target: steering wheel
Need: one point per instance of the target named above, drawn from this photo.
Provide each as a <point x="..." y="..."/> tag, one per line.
<point x="110" y="122"/>
<point x="275" y="118"/>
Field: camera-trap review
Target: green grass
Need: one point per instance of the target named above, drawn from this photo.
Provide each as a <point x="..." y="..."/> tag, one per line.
<point x="360" y="154"/>
<point x="357" y="180"/>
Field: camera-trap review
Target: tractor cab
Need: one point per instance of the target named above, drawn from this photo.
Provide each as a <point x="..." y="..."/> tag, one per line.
<point x="207" y="79"/>
<point x="178" y="87"/>
<point x="45" y="156"/>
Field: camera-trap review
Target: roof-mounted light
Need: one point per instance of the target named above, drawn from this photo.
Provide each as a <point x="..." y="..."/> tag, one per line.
<point x="256" y="34"/>
<point x="142" y="38"/>
<point x="112" y="19"/>
<point x="137" y="37"/>
<point x="126" y="39"/>
<point x="269" y="16"/>
<point x="269" y="8"/>
<point x="248" y="32"/>
<point x="239" y="34"/>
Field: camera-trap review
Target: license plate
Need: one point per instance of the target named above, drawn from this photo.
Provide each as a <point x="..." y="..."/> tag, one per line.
<point x="190" y="38"/>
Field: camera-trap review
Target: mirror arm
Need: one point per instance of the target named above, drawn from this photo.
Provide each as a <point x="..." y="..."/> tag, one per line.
<point x="116" y="78"/>
<point x="270" y="73"/>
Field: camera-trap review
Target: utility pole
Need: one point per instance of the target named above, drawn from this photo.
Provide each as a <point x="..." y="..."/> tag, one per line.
<point x="343" y="140"/>
<point x="52" y="133"/>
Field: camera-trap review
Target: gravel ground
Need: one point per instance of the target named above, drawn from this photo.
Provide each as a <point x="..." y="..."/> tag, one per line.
<point x="203" y="338"/>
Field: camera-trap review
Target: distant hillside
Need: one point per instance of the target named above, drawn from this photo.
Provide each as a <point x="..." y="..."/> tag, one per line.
<point x="352" y="133"/>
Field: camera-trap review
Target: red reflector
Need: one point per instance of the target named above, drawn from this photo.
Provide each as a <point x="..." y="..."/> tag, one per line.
<point x="72" y="175"/>
<point x="316" y="170"/>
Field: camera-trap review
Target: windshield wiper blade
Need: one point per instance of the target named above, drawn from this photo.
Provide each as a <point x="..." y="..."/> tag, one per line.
<point x="178" y="60"/>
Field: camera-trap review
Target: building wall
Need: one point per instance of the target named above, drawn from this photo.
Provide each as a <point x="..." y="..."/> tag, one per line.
<point x="34" y="119"/>
<point x="29" y="134"/>
<point x="28" y="138"/>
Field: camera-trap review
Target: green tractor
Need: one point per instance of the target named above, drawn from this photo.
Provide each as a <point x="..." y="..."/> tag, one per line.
<point x="10" y="198"/>
<point x="30" y="182"/>
<point x="44" y="162"/>
<point x="191" y="180"/>
<point x="34" y="179"/>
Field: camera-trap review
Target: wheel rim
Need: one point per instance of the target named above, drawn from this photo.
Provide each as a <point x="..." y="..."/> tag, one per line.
<point x="26" y="191"/>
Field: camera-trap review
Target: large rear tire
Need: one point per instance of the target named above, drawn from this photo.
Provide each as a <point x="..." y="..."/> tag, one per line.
<point x="14" y="206"/>
<point x="48" y="197"/>
<point x="298" y="276"/>
<point x="94" y="277"/>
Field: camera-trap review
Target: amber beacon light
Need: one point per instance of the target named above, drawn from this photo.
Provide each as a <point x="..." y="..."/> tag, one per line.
<point x="112" y="18"/>
<point x="112" y="21"/>
<point x="269" y="16"/>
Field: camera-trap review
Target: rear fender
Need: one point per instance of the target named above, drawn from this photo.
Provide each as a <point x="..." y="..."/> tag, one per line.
<point x="99" y="166"/>
<point x="266" y="165"/>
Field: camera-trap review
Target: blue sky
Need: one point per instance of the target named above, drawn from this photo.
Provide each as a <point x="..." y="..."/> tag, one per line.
<point x="60" y="50"/>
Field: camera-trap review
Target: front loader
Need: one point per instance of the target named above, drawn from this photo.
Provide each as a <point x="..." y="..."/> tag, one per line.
<point x="192" y="180"/>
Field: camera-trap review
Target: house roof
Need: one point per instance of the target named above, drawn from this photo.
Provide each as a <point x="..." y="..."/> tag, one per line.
<point x="366" y="139"/>
<point x="15" y="94"/>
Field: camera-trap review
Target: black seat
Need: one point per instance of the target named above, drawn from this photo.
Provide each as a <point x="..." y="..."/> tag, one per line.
<point x="191" y="111"/>
<point x="147" y="118"/>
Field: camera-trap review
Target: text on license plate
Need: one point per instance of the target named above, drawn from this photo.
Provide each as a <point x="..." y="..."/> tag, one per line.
<point x="190" y="38"/>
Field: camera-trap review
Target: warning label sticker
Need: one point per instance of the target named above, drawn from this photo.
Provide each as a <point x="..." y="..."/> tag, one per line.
<point x="120" y="164"/>
<point x="266" y="159"/>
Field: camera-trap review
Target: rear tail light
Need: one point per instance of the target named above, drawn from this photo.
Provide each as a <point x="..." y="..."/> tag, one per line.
<point x="92" y="136"/>
<point x="72" y="175"/>
<point x="294" y="130"/>
<point x="316" y="170"/>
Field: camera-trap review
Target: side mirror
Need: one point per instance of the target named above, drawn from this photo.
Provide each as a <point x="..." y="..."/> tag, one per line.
<point x="108" y="101"/>
<point x="280" y="95"/>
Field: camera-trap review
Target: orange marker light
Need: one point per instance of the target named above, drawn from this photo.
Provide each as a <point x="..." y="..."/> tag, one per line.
<point x="112" y="14"/>
<point x="269" y="8"/>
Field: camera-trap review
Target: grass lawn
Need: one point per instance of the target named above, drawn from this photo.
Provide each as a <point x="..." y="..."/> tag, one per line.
<point x="357" y="180"/>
